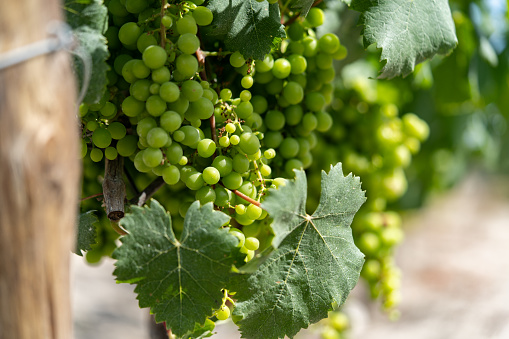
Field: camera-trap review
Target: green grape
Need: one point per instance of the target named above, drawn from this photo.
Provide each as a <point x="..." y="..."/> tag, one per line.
<point x="110" y="153"/>
<point x="230" y="128"/>
<point x="309" y="122"/>
<point x="96" y="154"/>
<point x="223" y="164"/>
<point x="223" y="196"/>
<point x="326" y="75"/>
<point x="266" y="64"/>
<point x="117" y="130"/>
<point x="240" y="209"/>
<point x="154" y="56"/>
<point x="139" y="164"/>
<point x="161" y="75"/>
<point x="269" y="153"/>
<point x="206" y="148"/>
<point x="169" y="91"/>
<point x="289" y="148"/>
<point x="293" y="93"/>
<point x="237" y="60"/>
<point x="167" y="21"/>
<point x="415" y="127"/>
<point x="295" y="31"/>
<point x="120" y="61"/>
<point x="191" y="136"/>
<point x="155" y="105"/>
<point x="245" y="95"/>
<point x="225" y="94"/>
<point x="109" y="110"/>
<point x="240" y="163"/>
<point x="145" y="125"/>
<point x="259" y="103"/>
<point x="192" y="90"/>
<point x="187" y="65"/>
<point x="254" y="212"/>
<point x="157" y="137"/>
<point x="205" y="195"/>
<point x="247" y="81"/>
<point x="292" y="164"/>
<point x="293" y="115"/>
<point x="263" y="78"/>
<point x="187" y="24"/>
<point x="127" y="71"/>
<point x="136" y="6"/>
<point x="117" y="9"/>
<point x="203" y="16"/>
<point x="328" y="43"/>
<point x="249" y="143"/>
<point x="232" y="181"/>
<point x="265" y="170"/>
<point x="84" y="149"/>
<point x="139" y="69"/>
<point x="127" y="145"/>
<point x="208" y="94"/>
<point x="368" y="243"/>
<point x="224" y="141"/>
<point x="341" y="53"/>
<point x="152" y="157"/>
<point x="251" y="242"/>
<point x="273" y="139"/>
<point x="234" y="140"/>
<point x="244" y="110"/>
<point x="195" y="181"/>
<point x="315" y="17"/>
<point x="298" y="63"/>
<point x="274" y="120"/>
<point x="211" y="175"/>
<point x="140" y="90"/>
<point x="223" y="313"/>
<point x="174" y="153"/>
<point x="201" y="109"/>
<point x="171" y="175"/>
<point x="188" y="43"/>
<point x="101" y="137"/>
<point x="315" y="101"/>
<point x="323" y="61"/>
<point x="310" y="47"/>
<point x="282" y="68"/>
<point x="129" y="33"/>
<point x="170" y="121"/>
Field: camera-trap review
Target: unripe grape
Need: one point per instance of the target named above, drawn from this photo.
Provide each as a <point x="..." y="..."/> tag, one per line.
<point x="211" y="175"/>
<point x="237" y="60"/>
<point x="96" y="154"/>
<point x="328" y="43"/>
<point x="205" y="194"/>
<point x="154" y="56"/>
<point x="223" y="313"/>
<point x="203" y="16"/>
<point x="315" y="17"/>
<point x="188" y="43"/>
<point x="252" y="243"/>
<point x="101" y="137"/>
<point x="187" y="24"/>
<point x="282" y="68"/>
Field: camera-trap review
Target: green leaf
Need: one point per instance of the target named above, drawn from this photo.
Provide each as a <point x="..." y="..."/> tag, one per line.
<point x="93" y="14"/>
<point x="248" y="26"/>
<point x="201" y="331"/>
<point x="180" y="280"/>
<point x="315" y="265"/>
<point x="303" y="5"/>
<point x="89" y="20"/>
<point x="86" y="232"/>
<point x="408" y="31"/>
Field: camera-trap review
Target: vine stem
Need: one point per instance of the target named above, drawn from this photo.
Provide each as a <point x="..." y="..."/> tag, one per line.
<point x="162" y="30"/>
<point x="148" y="192"/>
<point x="117" y="228"/>
<point x="92" y="196"/>
<point x="248" y="199"/>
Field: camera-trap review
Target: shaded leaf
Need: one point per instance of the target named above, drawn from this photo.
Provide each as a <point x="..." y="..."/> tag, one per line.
<point x="180" y="280"/>
<point x="86" y="233"/>
<point x="248" y="26"/>
<point x="408" y="31"/>
<point x="315" y="265"/>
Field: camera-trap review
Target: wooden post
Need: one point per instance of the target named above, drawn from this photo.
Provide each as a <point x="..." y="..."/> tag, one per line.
<point x="39" y="178"/>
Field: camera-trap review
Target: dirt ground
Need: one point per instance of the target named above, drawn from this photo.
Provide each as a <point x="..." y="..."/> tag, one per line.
<point x="455" y="264"/>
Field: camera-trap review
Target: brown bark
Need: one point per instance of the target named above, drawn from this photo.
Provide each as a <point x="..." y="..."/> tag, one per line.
<point x="39" y="179"/>
<point x="114" y="189"/>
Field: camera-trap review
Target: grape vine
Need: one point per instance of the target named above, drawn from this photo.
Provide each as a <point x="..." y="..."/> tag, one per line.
<point x="217" y="109"/>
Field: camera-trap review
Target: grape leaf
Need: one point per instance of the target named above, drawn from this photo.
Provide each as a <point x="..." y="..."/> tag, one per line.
<point x="315" y="264"/>
<point x="303" y="5"/>
<point x="89" y="21"/>
<point x="408" y="31"/>
<point x="86" y="232"/>
<point x="248" y="26"/>
<point x="180" y="280"/>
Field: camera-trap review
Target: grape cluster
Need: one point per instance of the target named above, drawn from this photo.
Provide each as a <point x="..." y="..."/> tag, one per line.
<point x="376" y="144"/>
<point x="209" y="139"/>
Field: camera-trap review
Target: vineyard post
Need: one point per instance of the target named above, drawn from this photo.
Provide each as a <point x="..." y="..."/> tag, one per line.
<point x="39" y="178"/>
